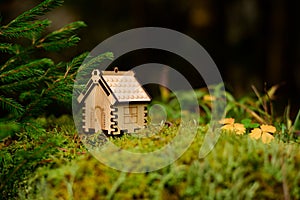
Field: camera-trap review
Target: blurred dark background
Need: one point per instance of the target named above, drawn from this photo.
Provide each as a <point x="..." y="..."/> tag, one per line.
<point x="253" y="42"/>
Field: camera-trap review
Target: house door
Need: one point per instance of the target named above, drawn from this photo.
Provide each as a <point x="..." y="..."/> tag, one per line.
<point x="99" y="118"/>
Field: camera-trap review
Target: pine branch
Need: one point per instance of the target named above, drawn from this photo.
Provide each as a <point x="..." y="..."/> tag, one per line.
<point x="11" y="105"/>
<point x="34" y="68"/>
<point x="61" y="38"/>
<point x="20" y="55"/>
<point x="27" y="30"/>
<point x="31" y="15"/>
<point x="90" y="63"/>
<point x="60" y="44"/>
<point x="38" y="103"/>
<point x="16" y="60"/>
<point x="94" y="61"/>
<point x="21" y="85"/>
<point x="29" y="84"/>
<point x="64" y="32"/>
<point x="10" y="48"/>
<point x="62" y="92"/>
<point x="35" y="83"/>
<point x="74" y="64"/>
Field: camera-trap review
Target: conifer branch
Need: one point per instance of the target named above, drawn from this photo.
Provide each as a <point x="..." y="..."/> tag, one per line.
<point x="93" y="61"/>
<point x="11" y="105"/>
<point x="21" y="85"/>
<point x="28" y="83"/>
<point x="10" y="48"/>
<point x="59" y="44"/>
<point x="34" y="68"/>
<point x="27" y="30"/>
<point x="74" y="64"/>
<point x="64" y="32"/>
<point x="31" y="14"/>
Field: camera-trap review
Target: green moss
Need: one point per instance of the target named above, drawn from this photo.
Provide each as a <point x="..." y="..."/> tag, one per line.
<point x="238" y="168"/>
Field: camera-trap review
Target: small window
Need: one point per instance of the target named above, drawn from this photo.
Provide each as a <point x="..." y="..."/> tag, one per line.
<point x="131" y="110"/>
<point x="130" y="119"/>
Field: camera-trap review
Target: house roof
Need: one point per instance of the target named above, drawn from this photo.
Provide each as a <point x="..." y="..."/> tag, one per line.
<point x="125" y="87"/>
<point x="122" y="84"/>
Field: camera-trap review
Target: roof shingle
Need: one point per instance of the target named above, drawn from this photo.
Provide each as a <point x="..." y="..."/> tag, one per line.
<point x="125" y="87"/>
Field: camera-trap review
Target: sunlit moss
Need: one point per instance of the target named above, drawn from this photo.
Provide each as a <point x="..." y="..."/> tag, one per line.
<point x="237" y="167"/>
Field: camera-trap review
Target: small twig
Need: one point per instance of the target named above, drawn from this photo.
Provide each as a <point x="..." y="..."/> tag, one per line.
<point x="256" y="116"/>
<point x="264" y="100"/>
<point x="270" y="103"/>
<point x="67" y="72"/>
<point x="259" y="98"/>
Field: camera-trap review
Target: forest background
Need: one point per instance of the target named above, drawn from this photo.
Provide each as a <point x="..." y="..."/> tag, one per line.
<point x="252" y="42"/>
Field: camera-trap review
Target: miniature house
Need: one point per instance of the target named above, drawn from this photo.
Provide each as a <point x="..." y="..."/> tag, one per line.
<point x="114" y="102"/>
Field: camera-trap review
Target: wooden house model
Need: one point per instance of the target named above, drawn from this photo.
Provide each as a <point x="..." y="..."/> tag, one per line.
<point x="113" y="102"/>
